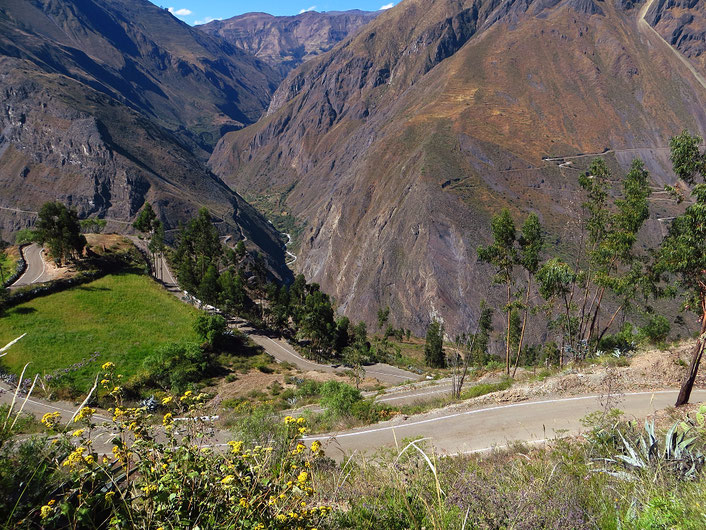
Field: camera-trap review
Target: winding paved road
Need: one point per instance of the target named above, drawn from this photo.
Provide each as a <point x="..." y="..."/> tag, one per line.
<point x="454" y="431"/>
<point x="450" y="431"/>
<point x="36" y="271"/>
<point x="282" y="351"/>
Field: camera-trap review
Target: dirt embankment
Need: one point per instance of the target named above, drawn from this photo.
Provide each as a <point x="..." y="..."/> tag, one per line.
<point x="648" y="370"/>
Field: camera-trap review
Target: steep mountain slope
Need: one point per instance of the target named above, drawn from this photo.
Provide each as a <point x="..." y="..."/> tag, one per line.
<point x="68" y="134"/>
<point x="286" y="42"/>
<point x="398" y="145"/>
<point x="143" y="56"/>
<point x="682" y="23"/>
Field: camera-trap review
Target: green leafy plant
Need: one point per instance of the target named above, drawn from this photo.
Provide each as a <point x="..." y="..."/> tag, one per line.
<point x="677" y="456"/>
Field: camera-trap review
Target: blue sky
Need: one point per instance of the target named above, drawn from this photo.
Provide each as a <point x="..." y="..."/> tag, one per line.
<point x="202" y="11"/>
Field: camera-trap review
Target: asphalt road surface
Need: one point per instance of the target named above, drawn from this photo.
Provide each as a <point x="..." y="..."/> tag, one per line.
<point x="36" y="271"/>
<point x="283" y="352"/>
<point x="480" y="429"/>
<point x="450" y="431"/>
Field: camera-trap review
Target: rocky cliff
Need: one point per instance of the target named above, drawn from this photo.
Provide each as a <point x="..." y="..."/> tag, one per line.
<point x="682" y="23"/>
<point x="398" y="146"/>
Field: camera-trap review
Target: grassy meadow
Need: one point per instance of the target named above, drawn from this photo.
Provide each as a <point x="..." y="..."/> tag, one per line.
<point x="122" y="317"/>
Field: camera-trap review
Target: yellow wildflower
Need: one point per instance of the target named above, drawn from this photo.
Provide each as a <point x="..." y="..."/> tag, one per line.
<point x="315" y="446"/>
<point x="109" y="495"/>
<point x="50" y="419"/>
<point x="149" y="489"/>
<point x="107" y="366"/>
<point x="84" y="414"/>
<point x="227" y="480"/>
<point x="76" y="457"/>
<point x="46" y="511"/>
<point x="235" y="447"/>
<point x="78" y="432"/>
<point x="301" y="421"/>
<point x="168" y="419"/>
<point x="244" y="502"/>
<point x="167" y="400"/>
<point x="302" y="477"/>
<point x="289" y="420"/>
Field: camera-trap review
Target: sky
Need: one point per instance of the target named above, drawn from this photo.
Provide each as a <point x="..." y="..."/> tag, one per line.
<point x="202" y="11"/>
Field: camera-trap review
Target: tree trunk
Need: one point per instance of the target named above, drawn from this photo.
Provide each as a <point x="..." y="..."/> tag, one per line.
<point x="507" y="338"/>
<point x="524" y="325"/>
<point x="610" y="323"/>
<point x="595" y="316"/>
<point x="688" y="384"/>
<point x="467" y="360"/>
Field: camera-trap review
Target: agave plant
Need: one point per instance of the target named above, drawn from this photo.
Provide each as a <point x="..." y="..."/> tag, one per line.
<point x="678" y="455"/>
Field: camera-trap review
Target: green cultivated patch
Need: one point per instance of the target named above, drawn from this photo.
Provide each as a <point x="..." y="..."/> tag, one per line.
<point x="482" y="389"/>
<point x="123" y="317"/>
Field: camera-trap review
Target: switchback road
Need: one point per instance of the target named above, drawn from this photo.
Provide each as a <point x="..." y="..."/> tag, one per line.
<point x="277" y="347"/>
<point x="458" y="431"/>
<point x="449" y="431"/>
<point x="36" y="271"/>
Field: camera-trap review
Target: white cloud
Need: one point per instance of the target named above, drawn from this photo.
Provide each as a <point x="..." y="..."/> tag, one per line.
<point x="387" y="6"/>
<point x="180" y="12"/>
<point x="312" y="8"/>
<point x="206" y="20"/>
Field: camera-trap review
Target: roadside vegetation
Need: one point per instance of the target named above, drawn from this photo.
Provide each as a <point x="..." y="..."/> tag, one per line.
<point x="619" y="474"/>
<point x="9" y="256"/>
<point x="604" y="276"/>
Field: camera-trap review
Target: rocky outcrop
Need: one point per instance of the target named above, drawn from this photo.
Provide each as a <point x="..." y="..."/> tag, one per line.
<point x="286" y="42"/>
<point x="398" y="146"/>
<point x="682" y="23"/>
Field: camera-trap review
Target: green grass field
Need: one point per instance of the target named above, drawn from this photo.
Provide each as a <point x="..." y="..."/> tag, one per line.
<point x="122" y="317"/>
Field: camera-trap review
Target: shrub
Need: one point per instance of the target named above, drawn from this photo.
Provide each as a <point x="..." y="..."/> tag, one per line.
<point x="210" y="328"/>
<point x="25" y="236"/>
<point x="179" y="482"/>
<point x="308" y="388"/>
<point x="176" y="365"/>
<point x="486" y="388"/>
<point x="339" y="398"/>
<point x="623" y="341"/>
<point x="656" y="330"/>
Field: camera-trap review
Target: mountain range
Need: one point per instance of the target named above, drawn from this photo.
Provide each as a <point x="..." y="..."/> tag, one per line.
<point x="286" y="42"/>
<point x="391" y="137"/>
<point x="397" y="146"/>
